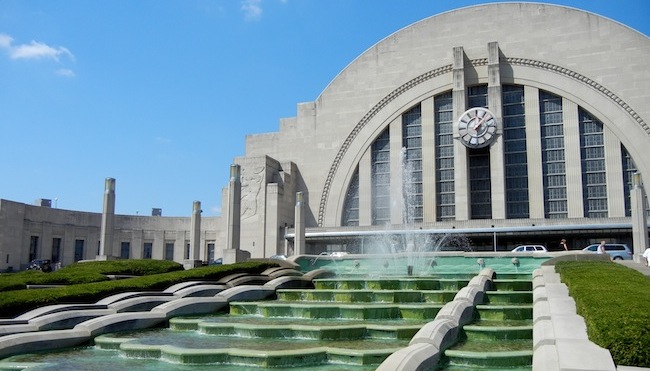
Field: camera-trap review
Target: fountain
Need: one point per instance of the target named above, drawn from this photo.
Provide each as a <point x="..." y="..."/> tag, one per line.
<point x="356" y="320"/>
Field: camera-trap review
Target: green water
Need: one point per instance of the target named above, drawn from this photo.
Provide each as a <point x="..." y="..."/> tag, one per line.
<point x="92" y="359"/>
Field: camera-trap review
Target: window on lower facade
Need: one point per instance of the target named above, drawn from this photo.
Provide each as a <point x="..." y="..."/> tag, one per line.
<point x="33" y="248"/>
<point x="147" y="250"/>
<point x="79" y="250"/>
<point x="56" y="250"/>
<point x="125" y="250"/>
<point x="169" y="251"/>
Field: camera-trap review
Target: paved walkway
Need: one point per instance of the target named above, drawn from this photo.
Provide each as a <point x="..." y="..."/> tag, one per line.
<point x="636" y="266"/>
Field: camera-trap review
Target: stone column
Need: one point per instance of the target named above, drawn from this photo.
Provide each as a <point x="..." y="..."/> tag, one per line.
<point x="299" y="243"/>
<point x="461" y="175"/>
<point x="108" y="220"/>
<point x="195" y="237"/>
<point x="639" y="218"/>
<point x="233" y="253"/>
<point x="497" y="159"/>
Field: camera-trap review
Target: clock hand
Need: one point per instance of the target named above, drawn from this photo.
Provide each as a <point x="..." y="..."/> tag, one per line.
<point x="479" y="123"/>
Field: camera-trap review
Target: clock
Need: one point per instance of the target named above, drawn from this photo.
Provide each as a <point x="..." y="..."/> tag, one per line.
<point x="477" y="127"/>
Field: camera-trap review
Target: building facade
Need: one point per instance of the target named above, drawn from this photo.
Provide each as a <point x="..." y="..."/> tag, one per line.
<point x="489" y="130"/>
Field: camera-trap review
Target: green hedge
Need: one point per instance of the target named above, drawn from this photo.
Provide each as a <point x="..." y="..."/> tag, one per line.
<point x="13" y="303"/>
<point x="94" y="271"/>
<point x="615" y="303"/>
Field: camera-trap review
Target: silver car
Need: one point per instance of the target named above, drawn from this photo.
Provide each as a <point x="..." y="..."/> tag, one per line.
<point x="529" y="248"/>
<point x="616" y="251"/>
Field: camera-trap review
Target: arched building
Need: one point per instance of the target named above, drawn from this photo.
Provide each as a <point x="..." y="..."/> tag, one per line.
<point x="565" y="127"/>
<point x="505" y="123"/>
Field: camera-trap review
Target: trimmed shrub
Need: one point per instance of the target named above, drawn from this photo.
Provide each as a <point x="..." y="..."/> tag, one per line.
<point x="86" y="272"/>
<point x="14" y="303"/>
<point x="615" y="302"/>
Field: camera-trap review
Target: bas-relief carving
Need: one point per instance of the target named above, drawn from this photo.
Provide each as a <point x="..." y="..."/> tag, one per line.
<point x="252" y="179"/>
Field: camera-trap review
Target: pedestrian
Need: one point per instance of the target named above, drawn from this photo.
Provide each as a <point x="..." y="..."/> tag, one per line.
<point x="601" y="248"/>
<point x="646" y="256"/>
<point x="564" y="245"/>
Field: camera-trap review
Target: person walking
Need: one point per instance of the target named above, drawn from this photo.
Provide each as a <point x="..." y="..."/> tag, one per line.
<point x="646" y="256"/>
<point x="564" y="245"/>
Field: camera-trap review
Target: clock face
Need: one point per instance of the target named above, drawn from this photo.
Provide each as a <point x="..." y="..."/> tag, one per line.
<point x="477" y="127"/>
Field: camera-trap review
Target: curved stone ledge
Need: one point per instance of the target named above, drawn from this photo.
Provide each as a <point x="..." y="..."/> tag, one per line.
<point x="182" y="285"/>
<point x="49" y="309"/>
<point x="40" y="341"/>
<point x="419" y="356"/>
<point x="140" y="304"/>
<point x="248" y="280"/>
<point x="130" y="295"/>
<point x="204" y="290"/>
<point x="441" y="333"/>
<point x="246" y="293"/>
<point x="482" y="282"/>
<point x="460" y="312"/>
<point x="289" y="282"/>
<point x="319" y="273"/>
<point x="281" y="272"/>
<point x="17" y="329"/>
<point x="121" y="322"/>
<point x="488" y="272"/>
<point x="67" y="320"/>
<point x="191" y="306"/>
<point x="473" y="294"/>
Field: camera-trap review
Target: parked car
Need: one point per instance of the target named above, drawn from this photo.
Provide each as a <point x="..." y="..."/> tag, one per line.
<point x="616" y="251"/>
<point x="530" y="248"/>
<point x="40" y="265"/>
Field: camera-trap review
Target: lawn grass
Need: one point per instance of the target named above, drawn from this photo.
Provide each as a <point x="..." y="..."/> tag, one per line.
<point x="614" y="300"/>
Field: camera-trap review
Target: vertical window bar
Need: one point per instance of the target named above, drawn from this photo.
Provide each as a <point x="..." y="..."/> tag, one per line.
<point x="412" y="171"/>
<point x="381" y="179"/>
<point x="553" y="162"/>
<point x="444" y="150"/>
<point x="516" y="161"/>
<point x="592" y="154"/>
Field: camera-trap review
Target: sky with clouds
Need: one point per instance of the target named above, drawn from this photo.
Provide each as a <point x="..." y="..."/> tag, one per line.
<point x="161" y="94"/>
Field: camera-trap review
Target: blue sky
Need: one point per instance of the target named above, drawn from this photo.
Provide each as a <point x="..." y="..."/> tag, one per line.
<point x="160" y="94"/>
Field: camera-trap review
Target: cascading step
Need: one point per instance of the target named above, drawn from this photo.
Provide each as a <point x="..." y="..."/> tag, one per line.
<point x="306" y="356"/>
<point x="366" y="296"/>
<point x="337" y="310"/>
<point x="501" y="360"/>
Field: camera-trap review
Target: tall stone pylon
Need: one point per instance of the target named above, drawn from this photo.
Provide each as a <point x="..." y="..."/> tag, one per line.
<point x="232" y="253"/>
<point x="299" y="220"/>
<point x="194" y="260"/>
<point x="108" y="220"/>
<point x="639" y="218"/>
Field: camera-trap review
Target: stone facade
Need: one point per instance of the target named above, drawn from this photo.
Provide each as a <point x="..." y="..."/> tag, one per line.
<point x="597" y="68"/>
